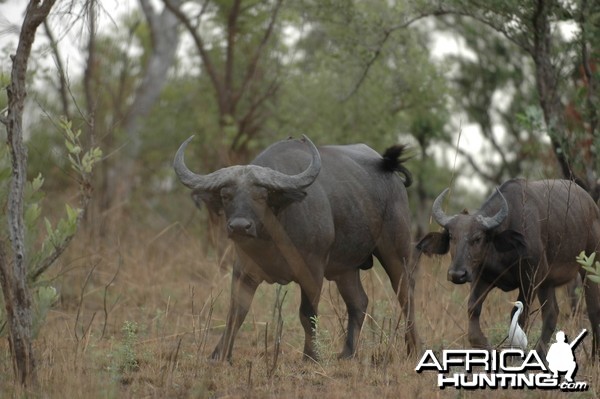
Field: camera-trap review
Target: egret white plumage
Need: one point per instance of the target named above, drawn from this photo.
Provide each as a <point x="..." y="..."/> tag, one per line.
<point x="516" y="336"/>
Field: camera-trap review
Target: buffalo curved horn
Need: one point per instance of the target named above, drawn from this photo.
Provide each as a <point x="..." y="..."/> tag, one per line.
<point x="280" y="181"/>
<point x="438" y="214"/>
<point x="494" y="221"/>
<point x="266" y="176"/>
<point x="187" y="177"/>
<point x="190" y="179"/>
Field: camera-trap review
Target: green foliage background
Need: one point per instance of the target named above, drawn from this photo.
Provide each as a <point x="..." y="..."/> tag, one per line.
<point x="345" y="72"/>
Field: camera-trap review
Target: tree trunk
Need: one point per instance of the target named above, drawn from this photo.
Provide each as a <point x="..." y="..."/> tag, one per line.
<point x="165" y="40"/>
<point x="547" y="80"/>
<point x="13" y="269"/>
<point x="119" y="175"/>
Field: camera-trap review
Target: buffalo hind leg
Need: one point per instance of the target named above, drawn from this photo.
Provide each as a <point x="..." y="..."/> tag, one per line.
<point x="356" y="300"/>
<point x="242" y="293"/>
<point x="403" y="283"/>
<point x="547" y="297"/>
<point x="592" y="301"/>
<point x="573" y="288"/>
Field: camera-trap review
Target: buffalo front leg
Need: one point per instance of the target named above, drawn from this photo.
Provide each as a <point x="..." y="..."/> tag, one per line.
<point x="592" y="301"/>
<point x="547" y="297"/>
<point x="479" y="291"/>
<point x="356" y="300"/>
<point x="310" y="296"/>
<point x="242" y="291"/>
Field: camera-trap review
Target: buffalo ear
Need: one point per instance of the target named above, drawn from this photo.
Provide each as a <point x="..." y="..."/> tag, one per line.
<point x="510" y="240"/>
<point x="280" y="199"/>
<point x="435" y="243"/>
<point x="212" y="199"/>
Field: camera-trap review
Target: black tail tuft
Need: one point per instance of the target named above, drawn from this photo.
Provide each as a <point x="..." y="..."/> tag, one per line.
<point x="392" y="162"/>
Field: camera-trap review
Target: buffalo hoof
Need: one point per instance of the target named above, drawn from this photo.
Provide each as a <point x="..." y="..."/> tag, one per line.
<point x="217" y="357"/>
<point x="310" y="357"/>
<point x="346" y="355"/>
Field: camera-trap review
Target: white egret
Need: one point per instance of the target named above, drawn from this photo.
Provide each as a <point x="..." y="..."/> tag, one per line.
<point x="516" y="335"/>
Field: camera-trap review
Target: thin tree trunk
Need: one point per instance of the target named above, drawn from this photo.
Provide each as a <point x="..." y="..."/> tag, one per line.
<point x="63" y="84"/>
<point x="165" y="40"/>
<point x="547" y="80"/>
<point x="13" y="269"/>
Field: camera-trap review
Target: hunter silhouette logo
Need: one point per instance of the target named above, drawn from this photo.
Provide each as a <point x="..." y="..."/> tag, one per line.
<point x="561" y="357"/>
<point x="508" y="368"/>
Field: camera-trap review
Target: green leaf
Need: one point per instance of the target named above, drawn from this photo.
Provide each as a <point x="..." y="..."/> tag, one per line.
<point x="72" y="213"/>
<point x="47" y="295"/>
<point x="49" y="231"/>
<point x="89" y="159"/>
<point x="584" y="260"/>
<point x="5" y="174"/>
<point x="69" y="146"/>
<point x="37" y="183"/>
<point x="32" y="213"/>
<point x="594" y="278"/>
<point x="66" y="125"/>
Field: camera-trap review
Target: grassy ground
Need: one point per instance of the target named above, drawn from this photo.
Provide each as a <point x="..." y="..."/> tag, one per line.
<point x="140" y="311"/>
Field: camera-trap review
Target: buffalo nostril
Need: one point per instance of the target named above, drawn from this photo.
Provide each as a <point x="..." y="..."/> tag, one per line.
<point x="240" y="225"/>
<point x="457" y="276"/>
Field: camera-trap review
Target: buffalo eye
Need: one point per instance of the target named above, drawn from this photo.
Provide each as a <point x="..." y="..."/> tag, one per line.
<point x="260" y="196"/>
<point x="476" y="240"/>
<point x="226" y="195"/>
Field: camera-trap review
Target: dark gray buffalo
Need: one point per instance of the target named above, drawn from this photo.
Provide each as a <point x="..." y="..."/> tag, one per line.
<point x="298" y="213"/>
<point x="526" y="236"/>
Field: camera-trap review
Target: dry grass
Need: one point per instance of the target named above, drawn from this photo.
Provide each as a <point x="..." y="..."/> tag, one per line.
<point x="140" y="311"/>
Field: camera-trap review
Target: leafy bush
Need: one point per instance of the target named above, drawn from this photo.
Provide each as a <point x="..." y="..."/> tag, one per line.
<point x="44" y="245"/>
<point x="126" y="356"/>
<point x="593" y="269"/>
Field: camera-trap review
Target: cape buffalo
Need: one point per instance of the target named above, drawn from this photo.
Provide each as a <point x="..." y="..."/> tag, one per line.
<point x="298" y="213"/>
<point x="526" y="236"/>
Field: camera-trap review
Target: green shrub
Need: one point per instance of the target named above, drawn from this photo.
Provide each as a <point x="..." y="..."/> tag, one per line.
<point x="592" y="269"/>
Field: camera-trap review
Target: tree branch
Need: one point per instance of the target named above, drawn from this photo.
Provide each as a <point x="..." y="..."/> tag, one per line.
<point x="85" y="197"/>
<point x="386" y="35"/>
<point x="254" y="62"/>
<point x="437" y="12"/>
<point x="250" y="115"/>
<point x="546" y="78"/>
<point x="199" y="42"/>
<point x="232" y="19"/>
<point x="165" y="39"/>
<point x="62" y="83"/>
<point x="90" y="71"/>
<point x="476" y="166"/>
<point x="493" y="23"/>
<point x="589" y="80"/>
